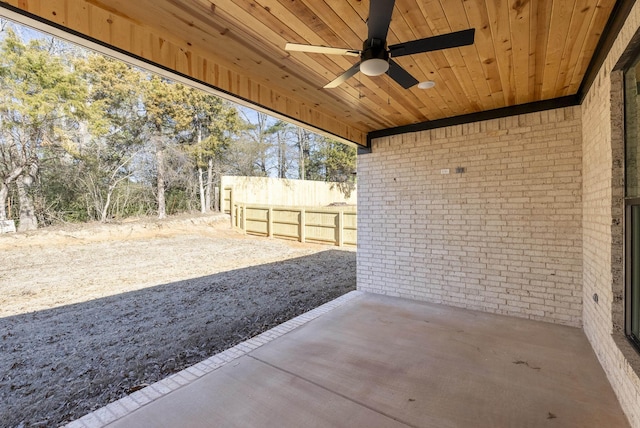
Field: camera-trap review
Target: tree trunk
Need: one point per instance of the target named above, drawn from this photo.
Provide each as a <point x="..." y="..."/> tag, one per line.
<point x="4" y="194"/>
<point x="203" y="204"/>
<point x="28" y="219"/>
<point x="4" y="190"/>
<point x="209" y="189"/>
<point x="282" y="155"/>
<point x="162" y="206"/>
<point x="105" y="208"/>
<point x="302" y="154"/>
<point x="216" y="199"/>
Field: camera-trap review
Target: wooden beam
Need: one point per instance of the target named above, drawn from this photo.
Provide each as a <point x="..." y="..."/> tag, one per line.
<point x="476" y="117"/>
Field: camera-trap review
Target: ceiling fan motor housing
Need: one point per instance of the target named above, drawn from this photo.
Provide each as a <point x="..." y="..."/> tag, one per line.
<point x="374" y="49"/>
<point x="375" y="57"/>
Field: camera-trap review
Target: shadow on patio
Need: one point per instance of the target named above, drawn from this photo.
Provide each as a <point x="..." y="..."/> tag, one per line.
<point x="373" y="361"/>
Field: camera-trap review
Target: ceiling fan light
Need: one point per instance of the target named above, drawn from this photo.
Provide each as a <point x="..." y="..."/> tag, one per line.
<point x="374" y="66"/>
<point x="427" y="84"/>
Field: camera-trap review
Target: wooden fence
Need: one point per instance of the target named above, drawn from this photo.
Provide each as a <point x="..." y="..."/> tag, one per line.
<point x="227" y="200"/>
<point x="285" y="192"/>
<point x="328" y="225"/>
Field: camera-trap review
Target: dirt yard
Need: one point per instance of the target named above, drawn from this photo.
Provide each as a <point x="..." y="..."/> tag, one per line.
<point x="90" y="314"/>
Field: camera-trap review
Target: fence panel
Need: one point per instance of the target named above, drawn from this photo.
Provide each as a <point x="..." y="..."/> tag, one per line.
<point x="330" y="225"/>
<point x="322" y="226"/>
<point x="286" y="223"/>
<point x="350" y="228"/>
<point x="257" y="219"/>
<point x="227" y="200"/>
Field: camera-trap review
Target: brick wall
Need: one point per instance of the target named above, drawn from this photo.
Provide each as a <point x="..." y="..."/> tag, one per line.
<point x="603" y="151"/>
<point x="504" y="236"/>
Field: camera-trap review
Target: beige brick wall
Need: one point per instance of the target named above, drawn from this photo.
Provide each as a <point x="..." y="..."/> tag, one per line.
<point x="504" y="236"/>
<point x="603" y="230"/>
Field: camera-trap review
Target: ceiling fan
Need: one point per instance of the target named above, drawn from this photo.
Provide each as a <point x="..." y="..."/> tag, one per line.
<point x="376" y="56"/>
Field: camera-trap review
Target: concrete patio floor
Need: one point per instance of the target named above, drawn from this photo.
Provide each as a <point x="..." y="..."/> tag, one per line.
<point x="376" y="361"/>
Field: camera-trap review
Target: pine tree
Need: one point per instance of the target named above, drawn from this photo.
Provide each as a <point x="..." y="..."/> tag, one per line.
<point x="40" y="99"/>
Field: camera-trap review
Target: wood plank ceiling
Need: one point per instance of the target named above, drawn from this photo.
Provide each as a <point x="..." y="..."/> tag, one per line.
<point x="524" y="51"/>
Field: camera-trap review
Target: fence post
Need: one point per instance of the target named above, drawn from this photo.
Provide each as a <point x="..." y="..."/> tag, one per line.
<point x="244" y="219"/>
<point x="302" y="225"/>
<point x="340" y="227"/>
<point x="270" y="222"/>
<point x="232" y="208"/>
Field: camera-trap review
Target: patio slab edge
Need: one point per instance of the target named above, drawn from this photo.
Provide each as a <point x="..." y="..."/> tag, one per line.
<point x="126" y="405"/>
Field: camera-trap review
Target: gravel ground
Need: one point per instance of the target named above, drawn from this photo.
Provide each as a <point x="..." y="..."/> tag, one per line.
<point x="90" y="314"/>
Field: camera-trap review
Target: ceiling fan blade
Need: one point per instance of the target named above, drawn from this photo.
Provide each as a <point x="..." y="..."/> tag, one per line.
<point x="444" y="41"/>
<point x="295" y="47"/>
<point x="343" y="77"/>
<point x="401" y="75"/>
<point x="379" y="18"/>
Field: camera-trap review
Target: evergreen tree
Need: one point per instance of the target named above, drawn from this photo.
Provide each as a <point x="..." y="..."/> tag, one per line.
<point x="164" y="117"/>
<point x="112" y="136"/>
<point x="40" y="99"/>
<point x="206" y="136"/>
